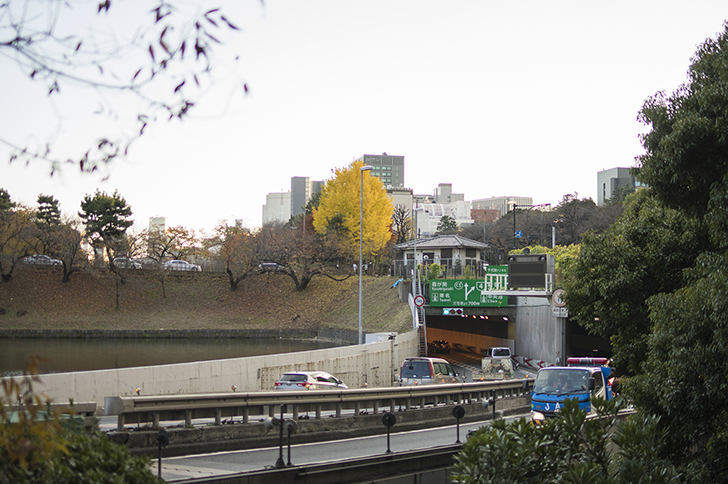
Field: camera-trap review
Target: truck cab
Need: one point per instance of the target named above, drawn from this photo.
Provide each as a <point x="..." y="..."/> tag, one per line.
<point x="581" y="379"/>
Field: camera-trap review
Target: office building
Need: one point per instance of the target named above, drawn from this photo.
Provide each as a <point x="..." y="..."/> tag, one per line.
<point x="277" y="207"/>
<point x="389" y="169"/>
<point x="502" y="204"/>
<point x="609" y="180"/>
<point x="302" y="188"/>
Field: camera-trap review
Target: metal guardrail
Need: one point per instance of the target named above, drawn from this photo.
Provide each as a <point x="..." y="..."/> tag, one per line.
<point x="152" y="410"/>
<point x="85" y="411"/>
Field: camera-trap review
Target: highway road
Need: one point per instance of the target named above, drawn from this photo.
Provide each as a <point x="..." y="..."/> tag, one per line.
<point x="177" y="469"/>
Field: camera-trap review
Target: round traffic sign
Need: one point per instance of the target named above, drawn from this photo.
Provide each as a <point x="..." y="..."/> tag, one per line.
<point x="419" y="300"/>
<point x="559" y="298"/>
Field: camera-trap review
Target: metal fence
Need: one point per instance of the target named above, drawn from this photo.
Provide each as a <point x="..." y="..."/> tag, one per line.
<point x="449" y="268"/>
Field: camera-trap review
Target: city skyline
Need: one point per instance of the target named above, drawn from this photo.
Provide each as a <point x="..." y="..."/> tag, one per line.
<point x="497" y="98"/>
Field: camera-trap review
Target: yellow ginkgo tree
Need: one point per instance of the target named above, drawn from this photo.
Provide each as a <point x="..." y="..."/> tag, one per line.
<point x="339" y="210"/>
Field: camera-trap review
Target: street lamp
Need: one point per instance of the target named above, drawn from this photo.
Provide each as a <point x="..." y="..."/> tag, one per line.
<point x="361" y="240"/>
<point x="415" y="286"/>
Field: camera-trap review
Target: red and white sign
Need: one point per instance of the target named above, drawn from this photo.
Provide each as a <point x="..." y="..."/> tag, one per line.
<point x="419" y="300"/>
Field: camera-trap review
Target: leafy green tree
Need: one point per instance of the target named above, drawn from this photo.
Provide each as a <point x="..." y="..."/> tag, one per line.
<point x="42" y="447"/>
<point x="49" y="211"/>
<point x="158" y="60"/>
<point x="5" y="202"/>
<point x="673" y="300"/>
<point x="642" y="254"/>
<point x="620" y="193"/>
<point x="569" y="449"/>
<point x="684" y="166"/>
<point x="339" y="210"/>
<point x="106" y="218"/>
<point x="447" y="225"/>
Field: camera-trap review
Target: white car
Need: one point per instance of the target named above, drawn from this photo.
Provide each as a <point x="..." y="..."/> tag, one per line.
<point x="41" y="260"/>
<point x="181" y="265"/>
<point x="309" y="380"/>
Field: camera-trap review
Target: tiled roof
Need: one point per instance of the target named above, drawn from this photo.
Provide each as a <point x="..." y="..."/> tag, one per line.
<point x="442" y="242"/>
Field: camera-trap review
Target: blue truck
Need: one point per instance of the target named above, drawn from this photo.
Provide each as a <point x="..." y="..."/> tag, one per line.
<point x="582" y="379"/>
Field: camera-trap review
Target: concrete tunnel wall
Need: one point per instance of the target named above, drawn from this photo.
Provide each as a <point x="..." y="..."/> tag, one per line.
<point x="373" y="364"/>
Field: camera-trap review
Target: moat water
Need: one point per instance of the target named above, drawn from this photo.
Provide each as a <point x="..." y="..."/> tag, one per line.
<point x="81" y="354"/>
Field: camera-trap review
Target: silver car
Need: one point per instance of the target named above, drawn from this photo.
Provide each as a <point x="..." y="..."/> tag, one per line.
<point x="427" y="371"/>
<point x="181" y="265"/>
<point x="309" y="380"/>
<point x="41" y="260"/>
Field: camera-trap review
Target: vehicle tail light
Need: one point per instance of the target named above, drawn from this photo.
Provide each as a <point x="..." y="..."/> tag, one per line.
<point x="278" y="383"/>
<point x="416" y="382"/>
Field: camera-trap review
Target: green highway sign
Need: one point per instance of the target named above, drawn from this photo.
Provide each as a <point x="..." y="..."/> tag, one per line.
<point x="470" y="292"/>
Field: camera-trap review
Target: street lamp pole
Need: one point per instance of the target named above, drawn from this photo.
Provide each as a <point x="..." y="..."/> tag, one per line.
<point x="361" y="242"/>
<point x="416" y="278"/>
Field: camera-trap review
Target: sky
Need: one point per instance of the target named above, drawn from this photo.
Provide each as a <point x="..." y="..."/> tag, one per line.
<point x="499" y="98"/>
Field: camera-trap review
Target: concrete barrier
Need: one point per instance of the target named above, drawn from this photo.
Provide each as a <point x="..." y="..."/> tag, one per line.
<point x="372" y="365"/>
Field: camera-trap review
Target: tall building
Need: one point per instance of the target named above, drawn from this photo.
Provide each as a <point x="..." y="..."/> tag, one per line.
<point x="609" y="180"/>
<point x="157" y="224"/>
<point x="277" y="207"/>
<point x="302" y="188"/>
<point x="389" y="169"/>
<point x="443" y="194"/>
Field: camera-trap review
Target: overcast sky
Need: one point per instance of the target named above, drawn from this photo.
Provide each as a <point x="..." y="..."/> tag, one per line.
<point x="498" y="98"/>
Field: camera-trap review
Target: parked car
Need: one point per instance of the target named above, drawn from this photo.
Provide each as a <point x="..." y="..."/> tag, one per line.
<point x="427" y="371"/>
<point x="41" y="260"/>
<point x="438" y="346"/>
<point x="181" y="265"/>
<point x="270" y="267"/>
<point x="124" y="263"/>
<point x="309" y="380"/>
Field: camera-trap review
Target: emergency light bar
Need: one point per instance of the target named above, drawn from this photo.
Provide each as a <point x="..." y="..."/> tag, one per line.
<point x="574" y="361"/>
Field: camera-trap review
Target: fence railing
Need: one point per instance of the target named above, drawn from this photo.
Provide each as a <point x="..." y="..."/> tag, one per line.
<point x="155" y="409"/>
<point x="472" y="268"/>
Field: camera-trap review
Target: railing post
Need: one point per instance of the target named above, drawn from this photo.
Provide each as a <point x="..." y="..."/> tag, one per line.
<point x="218" y="416"/>
<point x="246" y="414"/>
<point x="155" y="420"/>
<point x="188" y="418"/>
<point x="120" y="423"/>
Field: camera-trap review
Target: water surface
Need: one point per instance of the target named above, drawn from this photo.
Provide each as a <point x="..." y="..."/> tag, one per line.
<point x="81" y="354"/>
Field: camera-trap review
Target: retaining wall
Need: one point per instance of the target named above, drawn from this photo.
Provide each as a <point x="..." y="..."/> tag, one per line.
<point x="372" y="364"/>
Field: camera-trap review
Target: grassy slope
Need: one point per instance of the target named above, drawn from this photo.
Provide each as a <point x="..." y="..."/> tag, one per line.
<point x="196" y="301"/>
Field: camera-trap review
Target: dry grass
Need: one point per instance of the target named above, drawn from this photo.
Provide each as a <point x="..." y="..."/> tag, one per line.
<point x="195" y="301"/>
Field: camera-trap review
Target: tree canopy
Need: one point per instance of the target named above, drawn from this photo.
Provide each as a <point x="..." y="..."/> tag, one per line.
<point x="656" y="281"/>
<point x="447" y="225"/>
<point x="106" y="217"/>
<point x="339" y="209"/>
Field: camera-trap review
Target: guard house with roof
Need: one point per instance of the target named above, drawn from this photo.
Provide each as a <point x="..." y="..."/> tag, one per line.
<point x="456" y="255"/>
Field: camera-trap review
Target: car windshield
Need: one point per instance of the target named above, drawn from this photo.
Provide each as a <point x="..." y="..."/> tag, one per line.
<point x="294" y="377"/>
<point x="561" y="381"/>
<point x="416" y="369"/>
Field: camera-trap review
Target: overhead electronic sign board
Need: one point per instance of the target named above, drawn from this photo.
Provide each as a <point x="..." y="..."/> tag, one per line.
<point x="471" y="292"/>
